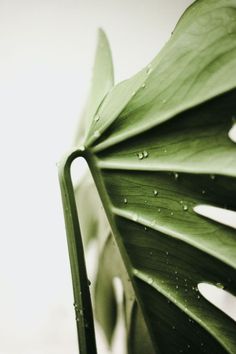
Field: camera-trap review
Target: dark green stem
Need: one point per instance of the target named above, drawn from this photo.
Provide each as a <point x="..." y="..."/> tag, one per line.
<point x="82" y="300"/>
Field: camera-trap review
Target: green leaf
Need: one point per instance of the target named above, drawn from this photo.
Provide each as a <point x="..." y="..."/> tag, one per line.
<point x="159" y="149"/>
<point x="102" y="82"/>
<point x="197" y="64"/>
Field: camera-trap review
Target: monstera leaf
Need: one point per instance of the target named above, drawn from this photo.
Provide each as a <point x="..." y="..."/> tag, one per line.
<point x="162" y="159"/>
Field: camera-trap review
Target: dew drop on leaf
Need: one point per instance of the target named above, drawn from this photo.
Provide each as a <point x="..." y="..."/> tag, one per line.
<point x="143" y="85"/>
<point x="185" y="207"/>
<point x="135" y="217"/>
<point x="97" y="117"/>
<point x="148" y="69"/>
<point x="176" y="175"/>
<point x="232" y="131"/>
<point x="155" y="192"/>
<point x="125" y="200"/>
<point x="213" y="177"/>
<point x="97" y="134"/>
<point x="219" y="285"/>
<point x="145" y="154"/>
<point x="86" y="325"/>
<point x="150" y="281"/>
<point x="203" y="191"/>
<point x="140" y="155"/>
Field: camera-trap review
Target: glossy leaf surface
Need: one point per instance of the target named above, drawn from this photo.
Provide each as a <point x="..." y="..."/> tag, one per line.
<point x="157" y="147"/>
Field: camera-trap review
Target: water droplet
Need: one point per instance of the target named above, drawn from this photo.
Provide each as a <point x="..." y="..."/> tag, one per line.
<point x="135" y="271"/>
<point x="177" y="286"/>
<point x="150" y="253"/>
<point x="97" y="117"/>
<point x="145" y="154"/>
<point x="150" y="281"/>
<point x="232" y="131"/>
<point x="133" y="93"/>
<point x="75" y="305"/>
<point x="212" y="177"/>
<point x="125" y="200"/>
<point x="159" y="210"/>
<point x="167" y="253"/>
<point x="148" y="69"/>
<point x="176" y="175"/>
<point x="82" y="148"/>
<point x="81" y="312"/>
<point x="185" y="207"/>
<point x="203" y="191"/>
<point x="199" y="297"/>
<point x="143" y="85"/>
<point x="97" y="134"/>
<point x="155" y="192"/>
<point x="219" y="285"/>
<point x="181" y="202"/>
<point x="86" y="325"/>
<point x="89" y="282"/>
<point x="176" y="272"/>
<point x="145" y="228"/>
<point x="135" y="217"/>
<point x="172" y="213"/>
<point x="140" y="155"/>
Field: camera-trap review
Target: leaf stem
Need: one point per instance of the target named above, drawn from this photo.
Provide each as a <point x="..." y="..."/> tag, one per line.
<point x="82" y="299"/>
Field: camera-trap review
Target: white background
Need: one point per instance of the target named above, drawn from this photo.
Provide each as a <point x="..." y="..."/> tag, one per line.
<point x="46" y="56"/>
